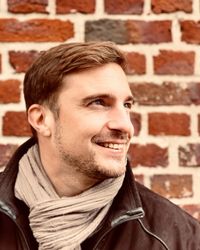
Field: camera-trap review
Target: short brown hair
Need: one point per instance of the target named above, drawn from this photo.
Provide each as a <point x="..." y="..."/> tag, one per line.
<point x="43" y="80"/>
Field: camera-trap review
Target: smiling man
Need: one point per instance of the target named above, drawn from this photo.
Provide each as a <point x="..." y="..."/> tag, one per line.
<point x="70" y="186"/>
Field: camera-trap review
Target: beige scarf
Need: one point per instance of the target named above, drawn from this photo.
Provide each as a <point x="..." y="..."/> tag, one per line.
<point x="61" y="223"/>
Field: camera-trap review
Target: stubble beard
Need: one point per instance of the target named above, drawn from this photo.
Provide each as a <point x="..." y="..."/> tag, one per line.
<point x="84" y="164"/>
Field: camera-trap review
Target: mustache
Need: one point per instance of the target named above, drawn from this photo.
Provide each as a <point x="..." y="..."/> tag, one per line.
<point x="112" y="135"/>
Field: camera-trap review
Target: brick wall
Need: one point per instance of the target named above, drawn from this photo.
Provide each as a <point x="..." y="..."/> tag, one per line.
<point x="161" y="40"/>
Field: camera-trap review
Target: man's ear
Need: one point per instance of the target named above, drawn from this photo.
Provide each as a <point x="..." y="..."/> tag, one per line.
<point x="39" y="119"/>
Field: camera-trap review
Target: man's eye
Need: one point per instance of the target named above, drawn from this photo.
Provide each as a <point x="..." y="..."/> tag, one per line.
<point x="98" y="102"/>
<point x="128" y="105"/>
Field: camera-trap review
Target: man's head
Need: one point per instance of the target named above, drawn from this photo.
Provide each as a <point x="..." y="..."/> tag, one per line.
<point x="44" y="80"/>
<point x="79" y="102"/>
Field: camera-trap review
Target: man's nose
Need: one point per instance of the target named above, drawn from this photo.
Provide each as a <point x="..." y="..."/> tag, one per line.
<point x="119" y="119"/>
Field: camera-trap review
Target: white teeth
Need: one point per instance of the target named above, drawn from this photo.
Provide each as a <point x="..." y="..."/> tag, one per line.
<point x="113" y="145"/>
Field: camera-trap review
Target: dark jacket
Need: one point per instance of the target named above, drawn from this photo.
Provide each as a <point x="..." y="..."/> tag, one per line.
<point x="138" y="219"/>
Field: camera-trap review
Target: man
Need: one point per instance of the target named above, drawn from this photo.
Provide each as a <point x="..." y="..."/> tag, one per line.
<point x="70" y="186"/>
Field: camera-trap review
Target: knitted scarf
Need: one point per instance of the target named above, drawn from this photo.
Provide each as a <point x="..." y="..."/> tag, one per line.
<point x="61" y="222"/>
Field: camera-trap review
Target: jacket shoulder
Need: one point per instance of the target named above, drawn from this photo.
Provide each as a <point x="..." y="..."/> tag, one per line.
<point x="164" y="218"/>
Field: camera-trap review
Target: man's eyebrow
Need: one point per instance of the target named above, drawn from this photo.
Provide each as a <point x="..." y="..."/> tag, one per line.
<point x="105" y="96"/>
<point x="96" y="96"/>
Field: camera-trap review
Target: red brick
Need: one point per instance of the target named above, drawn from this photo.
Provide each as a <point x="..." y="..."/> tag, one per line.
<point x="15" y="124"/>
<point x="189" y="155"/>
<point x="174" y="63"/>
<point x="35" y="30"/>
<point x="10" y="91"/>
<point x="153" y="94"/>
<point x="131" y="31"/>
<point x="6" y="152"/>
<point x="193" y="209"/>
<point x="71" y="6"/>
<point x="190" y="31"/>
<point x="136" y="63"/>
<point x="136" y="121"/>
<point x="169" y="124"/>
<point x="169" y="6"/>
<point x="124" y="7"/>
<point x="27" y="6"/>
<point x="21" y="61"/>
<point x="149" y="32"/>
<point x="172" y="186"/>
<point x="149" y="155"/>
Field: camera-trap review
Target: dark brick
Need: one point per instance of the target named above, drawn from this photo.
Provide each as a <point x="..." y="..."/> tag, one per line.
<point x="194" y="92"/>
<point x="106" y="30"/>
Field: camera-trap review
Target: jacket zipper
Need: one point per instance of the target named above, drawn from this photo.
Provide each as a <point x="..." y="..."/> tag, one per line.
<point x="136" y="214"/>
<point x="8" y="213"/>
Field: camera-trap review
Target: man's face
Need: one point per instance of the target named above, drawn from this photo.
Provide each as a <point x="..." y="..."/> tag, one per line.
<point x="93" y="131"/>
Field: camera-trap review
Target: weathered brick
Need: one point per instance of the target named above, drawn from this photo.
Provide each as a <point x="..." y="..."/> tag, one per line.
<point x="100" y="30"/>
<point x="124" y="7"/>
<point x="6" y="152"/>
<point x="174" y="63"/>
<point x="169" y="6"/>
<point x="136" y="121"/>
<point x="149" y="32"/>
<point x="153" y="94"/>
<point x="136" y="63"/>
<point x="172" y="186"/>
<point x="193" y="209"/>
<point x="9" y="91"/>
<point x="27" y="6"/>
<point x="149" y="155"/>
<point x="130" y="31"/>
<point x="15" y="124"/>
<point x="71" y="6"/>
<point x="169" y="124"/>
<point x="35" y="30"/>
<point x="190" y="31"/>
<point x="21" y="60"/>
<point x="189" y="155"/>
